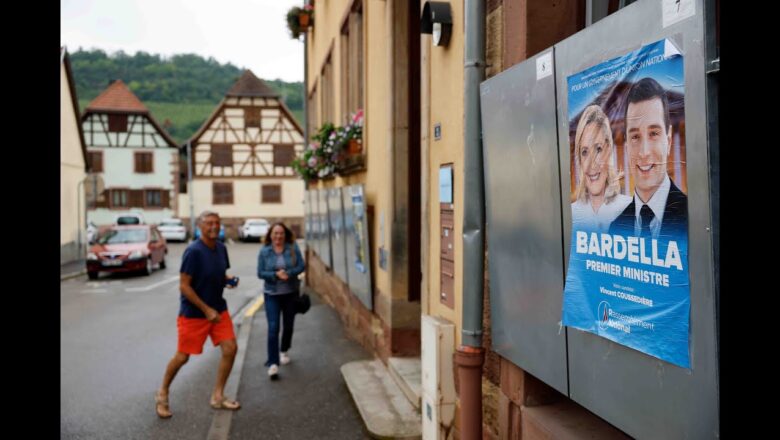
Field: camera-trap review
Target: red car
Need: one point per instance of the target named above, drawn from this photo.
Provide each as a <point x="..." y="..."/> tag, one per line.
<point x="126" y="249"/>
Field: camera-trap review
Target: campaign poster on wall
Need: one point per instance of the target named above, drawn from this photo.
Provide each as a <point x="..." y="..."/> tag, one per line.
<point x="627" y="278"/>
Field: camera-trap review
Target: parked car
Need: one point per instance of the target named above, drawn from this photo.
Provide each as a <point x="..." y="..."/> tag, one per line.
<point x="130" y="218"/>
<point x="221" y="236"/>
<point x="127" y="248"/>
<point x="253" y="228"/>
<point x="173" y="229"/>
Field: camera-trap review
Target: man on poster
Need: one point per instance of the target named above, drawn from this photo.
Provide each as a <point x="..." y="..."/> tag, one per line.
<point x="659" y="208"/>
<point x="631" y="284"/>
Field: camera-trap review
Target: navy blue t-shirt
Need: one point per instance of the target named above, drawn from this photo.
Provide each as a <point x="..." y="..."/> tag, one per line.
<point x="207" y="268"/>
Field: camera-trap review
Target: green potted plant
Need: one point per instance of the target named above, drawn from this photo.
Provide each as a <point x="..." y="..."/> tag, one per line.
<point x="353" y="132"/>
<point x="322" y="156"/>
<point x="306" y="17"/>
<point x="299" y="19"/>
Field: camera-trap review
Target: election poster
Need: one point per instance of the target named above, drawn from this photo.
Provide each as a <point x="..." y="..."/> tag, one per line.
<point x="627" y="277"/>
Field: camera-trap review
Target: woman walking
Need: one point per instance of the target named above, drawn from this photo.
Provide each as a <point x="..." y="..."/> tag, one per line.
<point x="279" y="264"/>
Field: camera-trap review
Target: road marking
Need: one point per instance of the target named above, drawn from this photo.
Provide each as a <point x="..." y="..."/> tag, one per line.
<point x="258" y="303"/>
<point x="153" y="286"/>
<point x="95" y="291"/>
<point x="220" y="423"/>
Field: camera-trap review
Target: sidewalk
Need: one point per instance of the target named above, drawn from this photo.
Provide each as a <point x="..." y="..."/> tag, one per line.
<point x="73" y="269"/>
<point x="310" y="399"/>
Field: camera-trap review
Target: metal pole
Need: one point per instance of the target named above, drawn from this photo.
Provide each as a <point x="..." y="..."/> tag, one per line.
<point x="191" y="190"/>
<point x="307" y="200"/>
<point x="79" y="190"/>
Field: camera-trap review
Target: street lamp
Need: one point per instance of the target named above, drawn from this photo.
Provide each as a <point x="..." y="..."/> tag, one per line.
<point x="437" y="20"/>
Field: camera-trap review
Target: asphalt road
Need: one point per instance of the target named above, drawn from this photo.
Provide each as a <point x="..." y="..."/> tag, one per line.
<point x="119" y="332"/>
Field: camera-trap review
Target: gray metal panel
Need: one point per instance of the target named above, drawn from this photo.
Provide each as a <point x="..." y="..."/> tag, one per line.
<point x="358" y="255"/>
<point x="337" y="235"/>
<point x="320" y="227"/>
<point x="307" y="218"/>
<point x="315" y="221"/>
<point x="522" y="193"/>
<point x="640" y="394"/>
<point x="326" y="245"/>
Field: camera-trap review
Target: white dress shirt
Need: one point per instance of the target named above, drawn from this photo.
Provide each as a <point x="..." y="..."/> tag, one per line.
<point x="657" y="204"/>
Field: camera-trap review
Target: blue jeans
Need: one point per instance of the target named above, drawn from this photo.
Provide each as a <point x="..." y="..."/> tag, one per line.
<point x="276" y="305"/>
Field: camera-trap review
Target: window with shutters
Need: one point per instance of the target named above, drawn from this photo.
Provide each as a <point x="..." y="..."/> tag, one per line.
<point x="120" y="198"/>
<point x="313" y="115"/>
<point x="222" y="193"/>
<point x="117" y="123"/>
<point x="144" y="162"/>
<point x="283" y="155"/>
<point x="136" y="198"/>
<point x="252" y="117"/>
<point x="271" y="193"/>
<point x="352" y="60"/>
<point x="222" y="155"/>
<point x="154" y="198"/>
<point x="326" y="93"/>
<point x="95" y="161"/>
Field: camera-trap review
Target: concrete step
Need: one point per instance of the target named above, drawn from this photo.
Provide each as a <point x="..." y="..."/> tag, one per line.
<point x="408" y="375"/>
<point x="385" y="410"/>
<point x="565" y="421"/>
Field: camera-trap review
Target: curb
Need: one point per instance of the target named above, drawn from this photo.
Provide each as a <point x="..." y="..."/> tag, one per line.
<point x="220" y="422"/>
<point x="68" y="276"/>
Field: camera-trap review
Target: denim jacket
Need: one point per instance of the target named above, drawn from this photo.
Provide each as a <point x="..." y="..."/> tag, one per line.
<point x="266" y="266"/>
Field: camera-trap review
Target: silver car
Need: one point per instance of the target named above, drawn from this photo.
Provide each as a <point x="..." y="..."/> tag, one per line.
<point x="173" y="229"/>
<point x="253" y="229"/>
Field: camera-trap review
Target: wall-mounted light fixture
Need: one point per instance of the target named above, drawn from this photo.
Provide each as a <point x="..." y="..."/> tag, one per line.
<point x="437" y="20"/>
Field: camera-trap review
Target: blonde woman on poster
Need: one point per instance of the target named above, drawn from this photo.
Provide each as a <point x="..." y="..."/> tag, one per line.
<point x="598" y="199"/>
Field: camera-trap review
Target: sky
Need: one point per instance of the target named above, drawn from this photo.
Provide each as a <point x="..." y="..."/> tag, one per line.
<point x="247" y="33"/>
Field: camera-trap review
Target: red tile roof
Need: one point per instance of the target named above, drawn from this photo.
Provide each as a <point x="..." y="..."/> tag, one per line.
<point x="117" y="97"/>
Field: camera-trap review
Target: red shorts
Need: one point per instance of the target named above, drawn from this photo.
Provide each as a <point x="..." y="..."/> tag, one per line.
<point x="193" y="332"/>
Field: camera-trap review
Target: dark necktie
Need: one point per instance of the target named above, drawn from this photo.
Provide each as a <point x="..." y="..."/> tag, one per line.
<point x="647" y="216"/>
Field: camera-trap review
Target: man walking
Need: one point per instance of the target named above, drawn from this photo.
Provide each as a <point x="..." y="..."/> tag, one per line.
<point x="203" y="312"/>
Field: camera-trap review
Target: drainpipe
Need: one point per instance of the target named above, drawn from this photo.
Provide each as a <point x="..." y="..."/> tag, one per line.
<point x="306" y="93"/>
<point x="307" y="282"/>
<point x="470" y="356"/>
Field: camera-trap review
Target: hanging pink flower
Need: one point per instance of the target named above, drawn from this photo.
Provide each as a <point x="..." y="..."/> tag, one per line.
<point x="358" y="118"/>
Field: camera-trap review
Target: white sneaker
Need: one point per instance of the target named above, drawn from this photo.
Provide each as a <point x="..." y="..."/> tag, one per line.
<point x="284" y="358"/>
<point x="273" y="370"/>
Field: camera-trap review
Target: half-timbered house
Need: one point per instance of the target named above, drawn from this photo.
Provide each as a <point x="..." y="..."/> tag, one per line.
<point x="136" y="158"/>
<point x="242" y="156"/>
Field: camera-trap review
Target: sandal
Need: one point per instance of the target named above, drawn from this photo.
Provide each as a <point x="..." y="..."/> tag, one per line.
<point x="162" y="402"/>
<point x="225" y="404"/>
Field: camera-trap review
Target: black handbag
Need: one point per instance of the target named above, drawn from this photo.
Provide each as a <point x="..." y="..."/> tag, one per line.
<point x="302" y="303"/>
